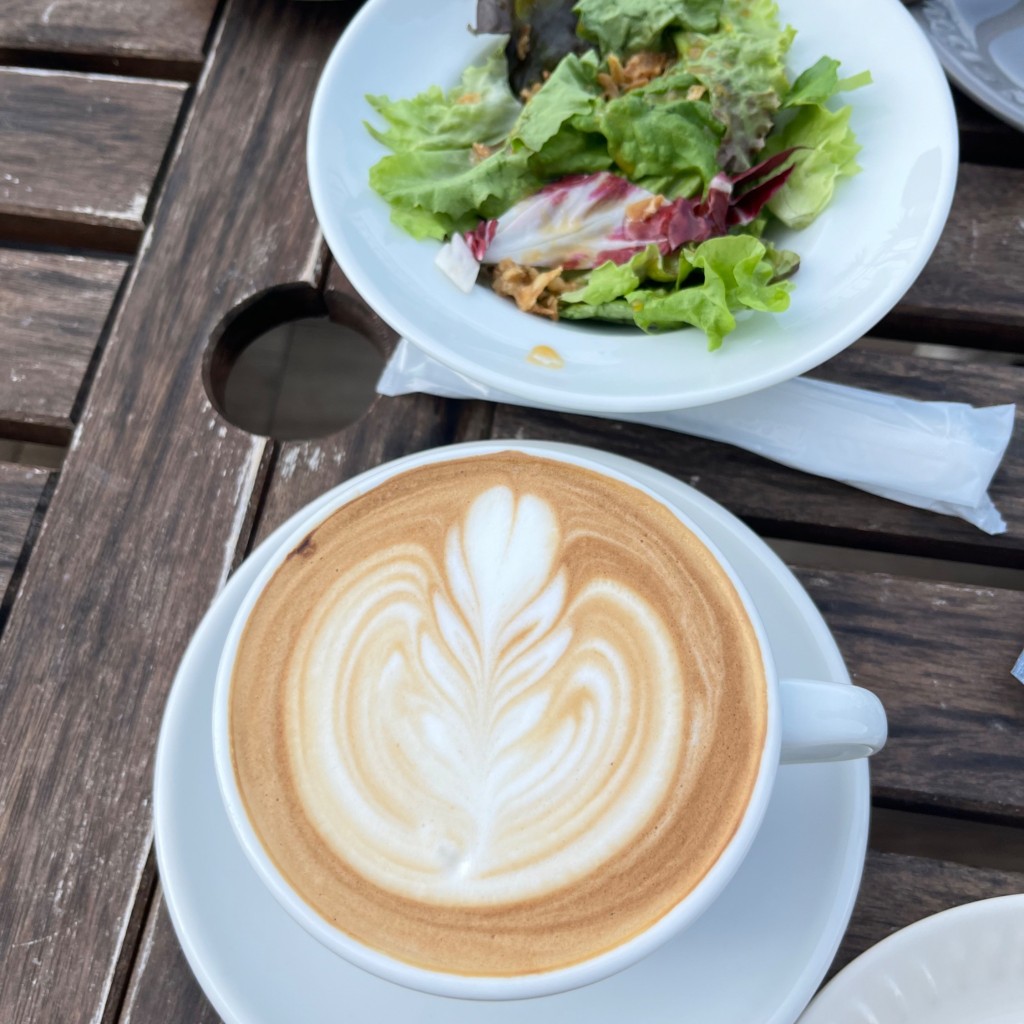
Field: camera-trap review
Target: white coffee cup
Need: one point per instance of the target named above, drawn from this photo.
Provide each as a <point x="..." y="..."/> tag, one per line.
<point x="807" y="721"/>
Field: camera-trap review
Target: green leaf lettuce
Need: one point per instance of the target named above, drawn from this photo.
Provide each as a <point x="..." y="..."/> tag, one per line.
<point x="481" y="108"/>
<point x="625" y="27"/>
<point x="433" y="193"/>
<point x="571" y="91"/>
<point x="742" y="65"/>
<point x="435" y="181"/>
<point x="614" y="280"/>
<point x="666" y="146"/>
<point x="737" y="274"/>
<point x="820" y="82"/>
<point x="827" y="153"/>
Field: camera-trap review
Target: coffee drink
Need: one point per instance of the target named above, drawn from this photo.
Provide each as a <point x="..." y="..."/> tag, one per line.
<point x="497" y="715"/>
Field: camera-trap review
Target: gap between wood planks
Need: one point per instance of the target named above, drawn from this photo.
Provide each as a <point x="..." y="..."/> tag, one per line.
<point x="103" y="64"/>
<point x="948" y="352"/>
<point x="942" y="837"/>
<point x="864" y="560"/>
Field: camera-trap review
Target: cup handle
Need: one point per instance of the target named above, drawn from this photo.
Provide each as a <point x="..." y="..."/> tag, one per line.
<point x="829" y="722"/>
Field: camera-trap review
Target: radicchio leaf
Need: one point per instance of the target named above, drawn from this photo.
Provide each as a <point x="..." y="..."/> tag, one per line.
<point x="749" y="202"/>
<point x="585" y="220"/>
<point x="579" y="221"/>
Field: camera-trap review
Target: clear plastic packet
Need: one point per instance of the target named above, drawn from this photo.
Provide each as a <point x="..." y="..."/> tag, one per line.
<point x="933" y="455"/>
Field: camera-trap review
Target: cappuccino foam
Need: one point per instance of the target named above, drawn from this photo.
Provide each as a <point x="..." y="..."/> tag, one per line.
<point x="498" y="715"/>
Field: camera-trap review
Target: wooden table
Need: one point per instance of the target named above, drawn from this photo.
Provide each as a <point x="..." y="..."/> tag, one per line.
<point x="153" y="209"/>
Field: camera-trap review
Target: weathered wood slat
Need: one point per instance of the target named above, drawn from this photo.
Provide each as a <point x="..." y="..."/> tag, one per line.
<point x="20" y="490"/>
<point x="168" y="34"/>
<point x="969" y="292"/>
<point x="146" y="519"/>
<point x="939" y="656"/>
<point x="52" y="310"/>
<point x="785" y="503"/>
<point x="80" y="154"/>
<point x="897" y="891"/>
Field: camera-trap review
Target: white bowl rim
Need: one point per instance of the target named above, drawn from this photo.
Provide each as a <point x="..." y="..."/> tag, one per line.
<point x="378" y="293"/>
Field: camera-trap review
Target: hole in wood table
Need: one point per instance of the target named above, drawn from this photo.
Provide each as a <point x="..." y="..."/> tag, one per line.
<point x="299" y="380"/>
<point x="26" y="453"/>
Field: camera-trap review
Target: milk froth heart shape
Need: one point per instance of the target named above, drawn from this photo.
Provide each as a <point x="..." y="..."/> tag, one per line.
<point x="500" y="722"/>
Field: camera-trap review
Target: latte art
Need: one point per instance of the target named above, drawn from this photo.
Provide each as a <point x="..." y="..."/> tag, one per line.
<point x="497" y="715"/>
<point x="468" y="732"/>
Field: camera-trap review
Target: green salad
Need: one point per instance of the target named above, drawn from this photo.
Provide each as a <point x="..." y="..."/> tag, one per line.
<point x="622" y="160"/>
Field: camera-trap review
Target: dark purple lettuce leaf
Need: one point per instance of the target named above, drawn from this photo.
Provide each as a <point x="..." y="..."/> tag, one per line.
<point x="541" y="33"/>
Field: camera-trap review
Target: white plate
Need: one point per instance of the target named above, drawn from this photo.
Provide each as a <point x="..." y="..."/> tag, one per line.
<point x="755" y="958"/>
<point x="963" y="966"/>
<point x="857" y="260"/>
<point x="981" y="45"/>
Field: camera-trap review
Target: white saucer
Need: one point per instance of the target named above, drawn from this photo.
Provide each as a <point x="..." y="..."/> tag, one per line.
<point x="980" y="43"/>
<point x="756" y="957"/>
<point x="965" y="964"/>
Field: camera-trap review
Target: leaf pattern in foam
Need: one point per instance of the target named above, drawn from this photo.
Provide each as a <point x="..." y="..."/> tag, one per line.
<point x="519" y="730"/>
<point x="501" y="618"/>
<point x="498" y="563"/>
